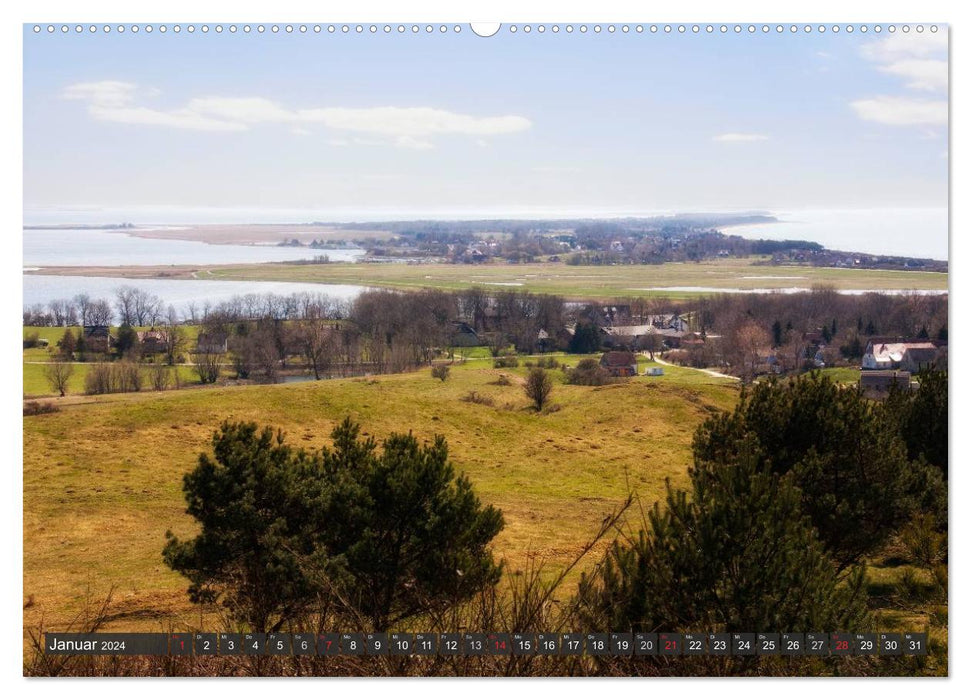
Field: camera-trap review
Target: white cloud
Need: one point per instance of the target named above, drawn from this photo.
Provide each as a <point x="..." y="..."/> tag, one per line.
<point x="108" y="93"/>
<point x="923" y="73"/>
<point x="904" y="46"/>
<point x="413" y="143"/>
<point x="921" y="61"/>
<point x="902" y="111"/>
<point x="734" y="137"/>
<point x="405" y="127"/>
<point x="556" y="169"/>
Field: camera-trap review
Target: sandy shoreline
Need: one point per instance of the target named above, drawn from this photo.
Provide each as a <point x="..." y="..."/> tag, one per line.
<point x="254" y="234"/>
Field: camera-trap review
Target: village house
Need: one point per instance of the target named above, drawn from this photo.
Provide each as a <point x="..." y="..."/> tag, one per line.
<point x="642" y="336"/>
<point x="153" y="341"/>
<point x="214" y="343"/>
<point x="882" y="354"/>
<point x="619" y="363"/>
<point x="97" y="339"/>
<point x="463" y="335"/>
<point x="916" y="359"/>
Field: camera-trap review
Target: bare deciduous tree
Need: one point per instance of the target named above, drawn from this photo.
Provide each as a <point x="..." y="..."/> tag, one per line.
<point x="58" y="374"/>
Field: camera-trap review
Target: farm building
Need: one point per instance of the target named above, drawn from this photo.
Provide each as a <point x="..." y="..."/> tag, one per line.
<point x="877" y="383"/>
<point x="153" y="341"/>
<point x="619" y="363"/>
<point x="97" y="339"/>
<point x="463" y="335"/>
<point x="212" y="343"/>
<point x="909" y="355"/>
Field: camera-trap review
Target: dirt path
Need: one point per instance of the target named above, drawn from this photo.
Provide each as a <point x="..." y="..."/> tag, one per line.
<point x="709" y="372"/>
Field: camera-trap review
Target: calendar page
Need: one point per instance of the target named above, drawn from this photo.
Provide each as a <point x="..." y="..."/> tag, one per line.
<point x="529" y="349"/>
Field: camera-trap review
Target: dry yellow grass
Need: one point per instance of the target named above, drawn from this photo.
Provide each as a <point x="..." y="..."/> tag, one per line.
<point x="102" y="478"/>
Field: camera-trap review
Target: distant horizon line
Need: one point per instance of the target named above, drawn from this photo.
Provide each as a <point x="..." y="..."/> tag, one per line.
<point x="373" y="214"/>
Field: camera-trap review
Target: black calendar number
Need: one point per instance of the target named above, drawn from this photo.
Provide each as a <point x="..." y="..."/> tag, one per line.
<point x="475" y="644"/>
<point x="230" y="644"/>
<point x="720" y="644"/>
<point x="767" y="643"/>
<point x="694" y="644"/>
<point x="598" y="644"/>
<point x="450" y="644"/>
<point x="278" y="644"/>
<point x="793" y="644"/>
<point x="303" y="644"/>
<point x="890" y="644"/>
<point x="254" y="644"/>
<point x="352" y="644"/>
<point x="424" y="644"/>
<point x="547" y="644"/>
<point x="571" y="644"/>
<point x="915" y="643"/>
<point x="206" y="644"/>
<point x="645" y="643"/>
<point x="401" y="644"/>
<point x="523" y="644"/>
<point x="743" y="643"/>
<point x="376" y="644"/>
<point x="621" y="643"/>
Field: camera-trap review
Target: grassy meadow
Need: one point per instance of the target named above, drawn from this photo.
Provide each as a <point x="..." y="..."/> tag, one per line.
<point x="102" y="477"/>
<point x="570" y="281"/>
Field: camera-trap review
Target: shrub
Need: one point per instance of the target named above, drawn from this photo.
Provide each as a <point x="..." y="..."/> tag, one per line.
<point x="503" y="380"/>
<point x="506" y="361"/>
<point x="129" y="376"/>
<point x="100" y="379"/>
<point x="206" y="366"/>
<point x="36" y="408"/>
<point x="588" y="372"/>
<point x="539" y="386"/>
<point x="476" y="397"/>
<point x="159" y="375"/>
<point x="31" y="340"/>
<point x="110" y="378"/>
<point x="547" y="363"/>
<point x="440" y="372"/>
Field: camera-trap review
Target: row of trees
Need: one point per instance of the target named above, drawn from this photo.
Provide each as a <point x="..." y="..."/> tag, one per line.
<point x="134" y="306"/>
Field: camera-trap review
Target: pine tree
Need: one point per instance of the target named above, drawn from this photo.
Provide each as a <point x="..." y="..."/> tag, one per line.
<point x="383" y="536"/>
<point x="67" y="344"/>
<point x="736" y="554"/>
<point x="844" y="452"/>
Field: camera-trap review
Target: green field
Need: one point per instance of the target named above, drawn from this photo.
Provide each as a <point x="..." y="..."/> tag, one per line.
<point x="574" y="282"/>
<point x="36" y="384"/>
<point x="102" y="477"/>
<point x="843" y="375"/>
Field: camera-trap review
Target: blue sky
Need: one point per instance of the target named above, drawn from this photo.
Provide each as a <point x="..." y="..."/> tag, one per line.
<point x="618" y="123"/>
